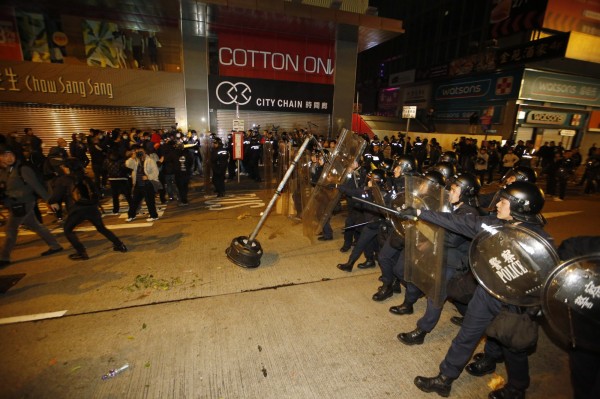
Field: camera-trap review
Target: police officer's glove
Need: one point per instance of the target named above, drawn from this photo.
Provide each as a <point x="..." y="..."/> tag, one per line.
<point x="408" y="213"/>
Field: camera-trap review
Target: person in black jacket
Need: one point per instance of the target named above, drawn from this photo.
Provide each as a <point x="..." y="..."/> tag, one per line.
<point x="367" y="241"/>
<point x="519" y="203"/>
<point x="219" y="159"/>
<point x="183" y="172"/>
<point x="80" y="209"/>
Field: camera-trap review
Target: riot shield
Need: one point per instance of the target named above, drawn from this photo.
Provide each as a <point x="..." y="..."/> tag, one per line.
<point x="282" y="166"/>
<point x="571" y="301"/>
<point x="323" y="198"/>
<point x="267" y="158"/>
<point x="424" y="242"/>
<point x="304" y="180"/>
<point x="512" y="263"/>
<point x="393" y="200"/>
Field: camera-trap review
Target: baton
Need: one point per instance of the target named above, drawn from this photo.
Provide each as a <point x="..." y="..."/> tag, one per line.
<point x="385" y="208"/>
<point x="360" y="224"/>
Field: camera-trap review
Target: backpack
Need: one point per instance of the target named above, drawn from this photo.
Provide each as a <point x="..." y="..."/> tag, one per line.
<point x="85" y="192"/>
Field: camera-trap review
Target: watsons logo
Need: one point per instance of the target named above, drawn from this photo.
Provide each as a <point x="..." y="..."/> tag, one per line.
<point x="478" y="88"/>
<point x="546" y="118"/>
<point x="556" y="86"/>
<point x="268" y="60"/>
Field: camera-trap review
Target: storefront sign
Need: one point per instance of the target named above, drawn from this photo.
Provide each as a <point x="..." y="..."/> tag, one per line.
<point x="501" y="86"/>
<point x="268" y="95"/>
<point x="512" y="16"/>
<point x="11" y="81"/>
<point x="567" y="132"/>
<point x="546" y="118"/>
<point x="46" y="83"/>
<point x="400" y="78"/>
<point x="550" y="47"/>
<point x="277" y="58"/>
<point x="553" y="87"/>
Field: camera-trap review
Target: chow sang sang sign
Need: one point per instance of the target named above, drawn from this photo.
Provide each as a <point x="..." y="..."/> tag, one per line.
<point x="276" y="58"/>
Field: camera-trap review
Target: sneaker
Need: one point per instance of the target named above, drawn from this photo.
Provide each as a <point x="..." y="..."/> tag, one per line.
<point x="130" y="219"/>
<point x="115" y="213"/>
<point x="151" y="219"/>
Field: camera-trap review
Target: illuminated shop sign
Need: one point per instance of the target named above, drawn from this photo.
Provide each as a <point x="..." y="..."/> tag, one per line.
<point x="546" y="118"/>
<point x="267" y="95"/>
<point x="11" y="81"/>
<point x="276" y="58"/>
<point x="552" y="87"/>
<point x="500" y="86"/>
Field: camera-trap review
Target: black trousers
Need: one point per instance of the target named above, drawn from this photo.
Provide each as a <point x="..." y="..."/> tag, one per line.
<point x="483" y="308"/>
<point x="146" y="192"/>
<point x="182" y="181"/>
<point x="118" y="188"/>
<point x="218" y="179"/>
<point x="367" y="244"/>
<point x="93" y="215"/>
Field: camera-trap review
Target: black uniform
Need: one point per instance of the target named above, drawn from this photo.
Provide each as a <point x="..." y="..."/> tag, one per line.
<point x="219" y="158"/>
<point x="483" y="308"/>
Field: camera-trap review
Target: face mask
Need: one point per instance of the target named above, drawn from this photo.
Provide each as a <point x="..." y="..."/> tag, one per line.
<point x="125" y="137"/>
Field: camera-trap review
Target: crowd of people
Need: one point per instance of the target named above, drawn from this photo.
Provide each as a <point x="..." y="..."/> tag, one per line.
<point x="140" y="166"/>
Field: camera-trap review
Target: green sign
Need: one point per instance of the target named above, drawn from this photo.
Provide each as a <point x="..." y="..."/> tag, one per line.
<point x="557" y="88"/>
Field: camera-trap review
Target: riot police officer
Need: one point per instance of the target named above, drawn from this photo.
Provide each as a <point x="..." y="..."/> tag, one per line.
<point x="463" y="194"/>
<point x="219" y="158"/>
<point x="520" y="203"/>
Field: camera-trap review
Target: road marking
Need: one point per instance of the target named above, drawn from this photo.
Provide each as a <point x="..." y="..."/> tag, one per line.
<point x="234" y="201"/>
<point x="32" y="317"/>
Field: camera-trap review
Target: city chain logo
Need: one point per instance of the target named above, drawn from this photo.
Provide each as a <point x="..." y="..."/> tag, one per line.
<point x="234" y="93"/>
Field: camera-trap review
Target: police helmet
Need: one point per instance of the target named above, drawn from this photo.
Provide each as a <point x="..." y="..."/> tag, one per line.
<point x="469" y="184"/>
<point x="447" y="169"/>
<point x="377" y="176"/>
<point x="407" y="164"/>
<point x="526" y="201"/>
<point x="435" y="177"/>
<point x="521" y="173"/>
<point x="450" y="157"/>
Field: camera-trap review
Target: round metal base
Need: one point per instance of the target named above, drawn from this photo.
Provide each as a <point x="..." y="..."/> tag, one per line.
<point x="244" y="253"/>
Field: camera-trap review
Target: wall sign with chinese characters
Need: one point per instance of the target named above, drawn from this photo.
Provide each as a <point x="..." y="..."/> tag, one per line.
<point x="269" y="95"/>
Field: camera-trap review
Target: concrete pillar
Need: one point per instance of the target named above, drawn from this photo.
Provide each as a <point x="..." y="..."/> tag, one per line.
<point x="346" y="48"/>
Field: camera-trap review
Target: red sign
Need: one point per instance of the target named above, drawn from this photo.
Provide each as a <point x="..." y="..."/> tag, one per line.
<point x="10" y="46"/>
<point x="238" y="145"/>
<point x="276" y="58"/>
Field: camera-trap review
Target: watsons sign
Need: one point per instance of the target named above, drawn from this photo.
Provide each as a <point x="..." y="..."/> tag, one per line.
<point x="453" y="91"/>
<point x="557" y="88"/>
<point x="276" y="58"/>
<point x="546" y="118"/>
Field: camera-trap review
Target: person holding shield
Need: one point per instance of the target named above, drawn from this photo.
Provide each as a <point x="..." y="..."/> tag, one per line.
<point x="519" y="204"/>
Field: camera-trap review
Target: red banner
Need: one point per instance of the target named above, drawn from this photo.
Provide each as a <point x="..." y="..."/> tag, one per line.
<point x="10" y="47"/>
<point x="276" y="58"/>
